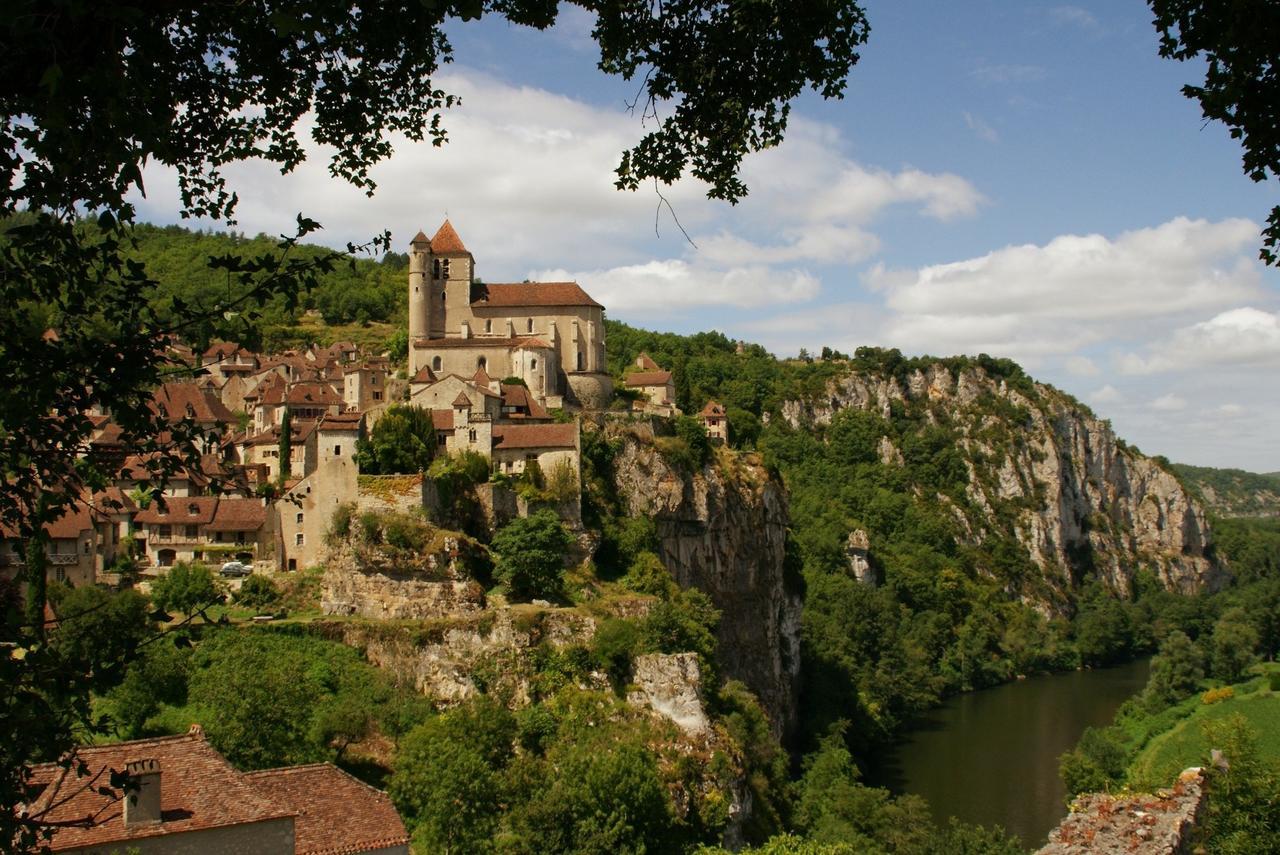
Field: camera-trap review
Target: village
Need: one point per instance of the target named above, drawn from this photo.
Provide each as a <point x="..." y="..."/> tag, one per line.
<point x="502" y="368"/>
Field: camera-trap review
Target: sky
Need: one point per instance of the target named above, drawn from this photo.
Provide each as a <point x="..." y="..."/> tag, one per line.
<point x="1016" y="178"/>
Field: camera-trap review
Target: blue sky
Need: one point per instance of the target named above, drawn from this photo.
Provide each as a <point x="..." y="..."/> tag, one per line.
<point x="1023" y="179"/>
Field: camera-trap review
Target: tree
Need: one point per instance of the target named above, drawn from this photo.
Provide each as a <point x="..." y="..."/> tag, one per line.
<point x="1238" y="39"/>
<point x="531" y="553"/>
<point x="257" y="592"/>
<point x="285" y="450"/>
<point x="1233" y="646"/>
<point x="1176" y="672"/>
<point x="401" y="443"/>
<point x="103" y="628"/>
<point x="186" y="588"/>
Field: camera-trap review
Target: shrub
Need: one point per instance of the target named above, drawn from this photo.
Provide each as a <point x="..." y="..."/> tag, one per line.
<point x="187" y="588"/>
<point x="648" y="575"/>
<point x="1220" y="694"/>
<point x="340" y="524"/>
<point x="562" y="483"/>
<point x="531" y="555"/>
<point x="371" y="527"/>
<point x="257" y="592"/>
<point x="405" y="532"/>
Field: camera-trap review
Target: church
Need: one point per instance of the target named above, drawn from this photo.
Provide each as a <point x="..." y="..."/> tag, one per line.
<point x="548" y="334"/>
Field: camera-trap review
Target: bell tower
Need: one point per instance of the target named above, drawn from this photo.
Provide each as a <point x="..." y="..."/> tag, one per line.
<point x="419" y="296"/>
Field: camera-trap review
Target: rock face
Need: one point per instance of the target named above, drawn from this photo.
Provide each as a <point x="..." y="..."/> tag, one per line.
<point x="857" y="549"/>
<point x="1084" y="503"/>
<point x="1159" y="824"/>
<point x="670" y="685"/>
<point x="723" y="530"/>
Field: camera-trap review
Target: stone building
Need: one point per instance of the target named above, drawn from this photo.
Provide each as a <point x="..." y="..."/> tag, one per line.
<point x="189" y="799"/>
<point x="715" y="421"/>
<point x="71" y="553"/>
<point x="655" y="384"/>
<point x="210" y="529"/>
<point x="549" y="334"/>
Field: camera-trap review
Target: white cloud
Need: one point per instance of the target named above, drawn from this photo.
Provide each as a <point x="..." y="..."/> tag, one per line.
<point x="1074" y="16"/>
<point x="665" y="287"/>
<point x="1244" y="336"/>
<point x="981" y="129"/>
<point x="1106" y="395"/>
<point x="1230" y="411"/>
<point x="1082" y="366"/>
<point x="1169" y="403"/>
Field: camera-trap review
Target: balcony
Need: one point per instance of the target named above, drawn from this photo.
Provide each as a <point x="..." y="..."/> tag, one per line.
<point x="62" y="559"/>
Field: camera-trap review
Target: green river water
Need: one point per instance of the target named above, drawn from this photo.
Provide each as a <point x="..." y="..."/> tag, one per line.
<point x="991" y="757"/>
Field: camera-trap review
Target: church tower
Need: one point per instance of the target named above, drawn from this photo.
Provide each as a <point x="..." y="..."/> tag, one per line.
<point x="452" y="272"/>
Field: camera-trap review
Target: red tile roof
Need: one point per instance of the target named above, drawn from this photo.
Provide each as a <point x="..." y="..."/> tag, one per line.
<point x="486" y="342"/>
<point x="71" y="524"/>
<point x="648" y="378"/>
<point x="420" y="237"/>
<point x="517" y="294"/>
<point x="712" y="408"/>
<point x="481" y="378"/>
<point x="222" y="350"/>
<point x="238" y="515"/>
<point x="187" y="400"/>
<point x="198" y="790"/>
<point x="179" y="511"/>
<point x="447" y="242"/>
<point x="340" y="422"/>
<point x="535" y="436"/>
<point x="336" y="814"/>
<point x="424" y="375"/>
<point x="515" y="395"/>
<point x="442" y="419"/>
<point x="462" y="400"/>
<point x="643" y="361"/>
<point x="312" y="394"/>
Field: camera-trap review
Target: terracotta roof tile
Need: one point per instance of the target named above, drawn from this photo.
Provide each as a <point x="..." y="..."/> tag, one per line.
<point x="535" y="436"/>
<point x="481" y="378"/>
<point x="644" y="362"/>
<point x="442" y="419"/>
<point x="515" y="395"/>
<point x="336" y="814"/>
<point x="462" y="400"/>
<point x="180" y="510"/>
<point x="238" y="515"/>
<point x="340" y="422"/>
<point x="713" y="408"/>
<point x="198" y="790"/>
<point x="516" y="294"/>
<point x="420" y="237"/>
<point x="187" y="400"/>
<point x="312" y="394"/>
<point x="424" y="375"/>
<point x="447" y="242"/>
<point x="648" y="378"/>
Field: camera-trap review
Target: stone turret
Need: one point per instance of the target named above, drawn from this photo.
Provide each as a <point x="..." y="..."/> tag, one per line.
<point x="419" y="296"/>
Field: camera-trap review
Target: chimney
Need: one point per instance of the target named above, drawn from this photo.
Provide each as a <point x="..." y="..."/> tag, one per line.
<point x="142" y="798"/>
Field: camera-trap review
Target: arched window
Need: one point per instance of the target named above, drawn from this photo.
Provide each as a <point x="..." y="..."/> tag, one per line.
<point x="435" y="363"/>
<point x="444" y="266"/>
<point x="482" y="363"/>
<point x="531" y="325"/>
<point x="533" y="364"/>
<point x="488" y="325"/>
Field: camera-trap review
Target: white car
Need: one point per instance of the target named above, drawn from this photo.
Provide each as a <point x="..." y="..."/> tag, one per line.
<point x="235" y="568"/>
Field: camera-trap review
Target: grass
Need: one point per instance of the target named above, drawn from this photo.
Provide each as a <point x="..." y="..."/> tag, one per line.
<point x="1185" y="743"/>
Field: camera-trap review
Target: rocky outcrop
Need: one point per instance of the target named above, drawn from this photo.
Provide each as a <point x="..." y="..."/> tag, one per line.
<point x="670" y="684"/>
<point x="857" y="549"/>
<point x="723" y="530"/>
<point x="457" y="659"/>
<point x="1083" y="504"/>
<point x="1141" y="824"/>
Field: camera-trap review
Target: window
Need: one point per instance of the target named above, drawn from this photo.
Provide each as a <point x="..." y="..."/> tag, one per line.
<point x="444" y="267"/>
<point x="86" y="547"/>
<point x="582" y="361"/>
<point x="442" y="439"/>
<point x="165" y="531"/>
<point x="61" y="574"/>
<point x="377" y="396"/>
<point x="488" y="325"/>
<point x="193" y="510"/>
<point x="531" y="325"/>
<point x="192" y="531"/>
<point x="299" y="519"/>
<point x="293" y="564"/>
<point x="473" y="436"/>
<point x="435" y="364"/>
<point x="435" y="269"/>
<point x="337" y="451"/>
<point x="298" y="539"/>
<point x="482" y="363"/>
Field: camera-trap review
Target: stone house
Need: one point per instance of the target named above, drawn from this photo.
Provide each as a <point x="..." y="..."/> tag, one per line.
<point x="364" y="384"/>
<point x="714" y="420"/>
<point x="210" y="529"/>
<point x="443" y="395"/>
<point x="551" y="445"/>
<point x="303" y="515"/>
<point x="227" y="359"/>
<point x="655" y="384"/>
<point x="549" y="334"/>
<point x="189" y="799"/>
<point x="72" y="551"/>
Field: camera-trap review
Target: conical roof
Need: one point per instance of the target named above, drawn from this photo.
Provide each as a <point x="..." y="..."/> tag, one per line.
<point x="481" y="378"/>
<point x="447" y="242"/>
<point x="420" y="237"/>
<point x="462" y="400"/>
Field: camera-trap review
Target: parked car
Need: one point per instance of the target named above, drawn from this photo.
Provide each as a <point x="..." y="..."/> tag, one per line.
<point x="235" y="568"/>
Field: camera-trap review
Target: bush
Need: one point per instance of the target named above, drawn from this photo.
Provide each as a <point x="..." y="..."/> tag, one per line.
<point x="531" y="554"/>
<point x="648" y="575"/>
<point x="403" y="531"/>
<point x="1220" y="694"/>
<point x="257" y="592"/>
<point x="186" y="588"/>
<point x="340" y="524"/>
<point x="614" y="646"/>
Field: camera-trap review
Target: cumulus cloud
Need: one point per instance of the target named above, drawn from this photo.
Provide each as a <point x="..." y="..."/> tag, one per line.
<point x="1244" y="336"/>
<point x="664" y="287"/>
<point x="1108" y="394"/>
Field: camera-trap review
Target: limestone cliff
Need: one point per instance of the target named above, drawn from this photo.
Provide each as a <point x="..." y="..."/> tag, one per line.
<point x="723" y="529"/>
<point x="1078" y="500"/>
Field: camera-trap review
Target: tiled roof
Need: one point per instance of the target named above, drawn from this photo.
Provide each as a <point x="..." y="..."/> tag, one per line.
<point x="442" y="419"/>
<point x="222" y="350"/>
<point x="336" y="814"/>
<point x="179" y="511"/>
<point x="712" y="408"/>
<point x="517" y="294"/>
<point x="535" y="436"/>
<point x="420" y="237"/>
<point x="644" y="362"/>
<point x="424" y="375"/>
<point x="648" y="378"/>
<point x="447" y="242"/>
<point x="462" y="400"/>
<point x="299" y="430"/>
<point x="198" y="790"/>
<point x="481" y="378"/>
<point x="238" y="515"/>
<point x="187" y="400"/>
<point x="341" y="422"/>
<point x="515" y="395"/>
<point x="312" y="394"/>
<point x="69" y="525"/>
<point x="486" y="343"/>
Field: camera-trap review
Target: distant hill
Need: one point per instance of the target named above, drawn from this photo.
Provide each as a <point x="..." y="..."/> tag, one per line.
<point x="1234" y="492"/>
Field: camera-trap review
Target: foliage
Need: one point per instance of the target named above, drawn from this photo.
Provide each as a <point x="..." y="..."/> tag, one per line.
<point x="1236" y="41"/>
<point x="1233" y="644"/>
<point x="1250" y="546"/>
<point x="284" y="452"/>
<point x="187" y="588"/>
<point x="648" y="575"/>
<point x="1176" y="672"/>
<point x="402" y="442"/>
<point x="96" y="625"/>
<point x="531" y="552"/>
<point x="257" y="592"/>
<point x="1096" y="764"/>
<point x="1243" y="814"/>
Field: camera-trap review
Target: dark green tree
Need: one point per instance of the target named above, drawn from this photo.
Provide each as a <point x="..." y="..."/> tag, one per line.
<point x="1237" y="40"/>
<point x="1233" y="646"/>
<point x="96" y="625"/>
<point x="186" y="588"/>
<point x="257" y="592"/>
<point x="401" y="443"/>
<point x="1176" y="672"/>
<point x="284" y="451"/>
<point x="531" y="552"/>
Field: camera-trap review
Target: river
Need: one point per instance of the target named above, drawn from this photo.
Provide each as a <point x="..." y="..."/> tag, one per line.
<point x="991" y="757"/>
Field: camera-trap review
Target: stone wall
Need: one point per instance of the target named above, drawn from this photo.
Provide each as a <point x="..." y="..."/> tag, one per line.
<point x="389" y="492"/>
<point x="1146" y="824"/>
